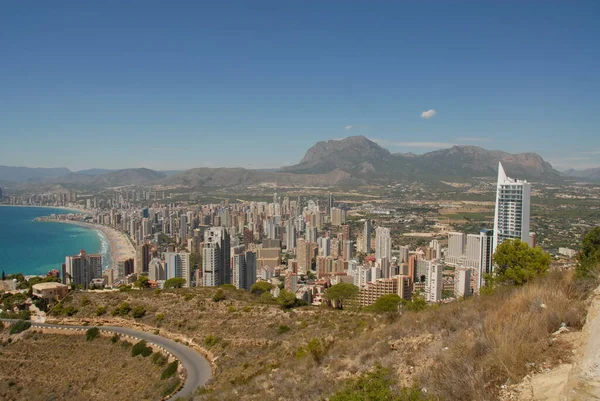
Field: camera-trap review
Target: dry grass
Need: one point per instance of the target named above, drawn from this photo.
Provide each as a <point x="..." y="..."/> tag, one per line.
<point x="459" y="351"/>
<point x="36" y="366"/>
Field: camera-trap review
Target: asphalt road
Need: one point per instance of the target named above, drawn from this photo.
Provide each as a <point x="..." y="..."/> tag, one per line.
<point x="197" y="367"/>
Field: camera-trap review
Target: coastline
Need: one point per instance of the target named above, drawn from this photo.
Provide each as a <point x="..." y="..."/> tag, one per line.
<point x="65" y="208"/>
<point x="120" y="246"/>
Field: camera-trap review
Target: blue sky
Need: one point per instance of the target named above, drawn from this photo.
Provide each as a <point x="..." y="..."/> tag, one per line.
<point x="171" y="85"/>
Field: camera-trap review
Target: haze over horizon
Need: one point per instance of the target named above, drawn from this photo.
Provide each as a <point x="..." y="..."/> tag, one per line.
<point x="256" y="84"/>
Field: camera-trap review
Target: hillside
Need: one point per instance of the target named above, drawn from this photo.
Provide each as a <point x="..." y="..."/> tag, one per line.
<point x="366" y="159"/>
<point x="42" y="367"/>
<point x="462" y="351"/>
<point x="23" y="174"/>
<point x="592" y="174"/>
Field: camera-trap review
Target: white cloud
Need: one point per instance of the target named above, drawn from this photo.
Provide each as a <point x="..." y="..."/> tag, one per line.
<point x="428" y="114"/>
<point x="433" y="145"/>
<point x="348" y="127"/>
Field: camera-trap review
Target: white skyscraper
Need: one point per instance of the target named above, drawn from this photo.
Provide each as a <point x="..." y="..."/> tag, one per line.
<point x="177" y="264"/>
<point x="433" y="286"/>
<point x="383" y="243"/>
<point x="511" y="220"/>
<point x="216" y="257"/>
<point x="456" y="248"/>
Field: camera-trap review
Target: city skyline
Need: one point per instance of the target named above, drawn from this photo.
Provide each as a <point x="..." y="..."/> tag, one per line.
<point x="260" y="83"/>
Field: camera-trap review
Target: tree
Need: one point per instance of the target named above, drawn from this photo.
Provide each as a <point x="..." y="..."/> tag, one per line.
<point x="388" y="303"/>
<point x="339" y="293"/>
<point x="517" y="263"/>
<point x="142" y="282"/>
<point x="260" y="287"/>
<point x="175" y="282"/>
<point x="288" y="300"/>
<point x="589" y="256"/>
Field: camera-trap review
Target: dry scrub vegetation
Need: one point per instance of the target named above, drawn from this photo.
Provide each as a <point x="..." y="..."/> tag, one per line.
<point x="461" y="351"/>
<point x="41" y="366"/>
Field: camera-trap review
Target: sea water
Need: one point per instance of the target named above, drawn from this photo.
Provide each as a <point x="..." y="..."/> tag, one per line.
<point x="32" y="247"/>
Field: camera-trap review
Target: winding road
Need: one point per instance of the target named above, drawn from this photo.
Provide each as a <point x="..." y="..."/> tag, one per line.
<point x="198" y="369"/>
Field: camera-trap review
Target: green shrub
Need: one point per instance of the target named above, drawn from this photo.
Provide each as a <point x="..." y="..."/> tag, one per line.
<point x="101" y="310"/>
<point x="122" y="310"/>
<point x="159" y="359"/>
<point x="283" y="329"/>
<point x="219" y="295"/>
<point x="115" y="338"/>
<point x="170" y="370"/>
<point x="231" y="309"/>
<point x="92" y="333"/>
<point x="20" y="326"/>
<point x="138" y="312"/>
<point x="209" y="341"/>
<point x="376" y="385"/>
<point x="141" y="348"/>
<point x="85" y="301"/>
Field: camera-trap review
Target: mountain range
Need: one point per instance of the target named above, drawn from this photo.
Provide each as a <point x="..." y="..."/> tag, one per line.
<point x="350" y="161"/>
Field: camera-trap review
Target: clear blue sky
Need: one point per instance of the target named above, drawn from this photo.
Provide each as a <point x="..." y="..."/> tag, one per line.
<point x="171" y="85"/>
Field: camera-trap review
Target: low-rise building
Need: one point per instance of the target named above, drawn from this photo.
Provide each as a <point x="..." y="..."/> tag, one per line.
<point x="54" y="291"/>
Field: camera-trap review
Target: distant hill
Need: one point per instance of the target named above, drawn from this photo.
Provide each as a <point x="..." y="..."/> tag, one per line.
<point x="234" y="177"/>
<point x="365" y="159"/>
<point x="347" y="162"/>
<point x="592" y="174"/>
<point x="24" y="174"/>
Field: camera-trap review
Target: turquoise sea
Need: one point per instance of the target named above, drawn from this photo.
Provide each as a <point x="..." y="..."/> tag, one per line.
<point x="31" y="247"/>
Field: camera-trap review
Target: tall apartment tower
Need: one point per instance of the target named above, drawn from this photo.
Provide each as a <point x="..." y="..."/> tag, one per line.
<point x="383" y="243"/>
<point x="81" y="269"/>
<point x="216" y="257"/>
<point x="434" y="284"/>
<point x="244" y="270"/>
<point x="511" y="219"/>
<point x="367" y="236"/>
<point x="456" y="248"/>
<point x="290" y="235"/>
<point x="177" y="265"/>
<point x="331" y="202"/>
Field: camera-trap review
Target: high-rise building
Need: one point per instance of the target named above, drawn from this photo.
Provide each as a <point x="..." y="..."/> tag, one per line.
<point x="244" y="270"/>
<point x="338" y="216"/>
<point x="511" y="218"/>
<point x="434" y="284"/>
<point x="81" y="269"/>
<point x="456" y="249"/>
<point x="156" y="270"/>
<point x="330" y="202"/>
<point x="348" y="250"/>
<point x="383" y="244"/>
<point x="216" y="257"/>
<point x="183" y="228"/>
<point x="367" y="236"/>
<point x="324" y="244"/>
<point x="143" y="255"/>
<point x="462" y="282"/>
<point x="177" y="264"/>
<point x="290" y="235"/>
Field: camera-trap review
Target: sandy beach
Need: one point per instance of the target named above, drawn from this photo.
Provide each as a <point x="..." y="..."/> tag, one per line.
<point x="120" y="246"/>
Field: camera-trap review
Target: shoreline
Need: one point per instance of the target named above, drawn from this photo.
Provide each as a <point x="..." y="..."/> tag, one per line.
<point x="120" y="246"/>
<point x="66" y="208"/>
